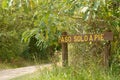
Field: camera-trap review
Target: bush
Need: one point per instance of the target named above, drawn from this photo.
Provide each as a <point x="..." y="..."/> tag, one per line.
<point x="11" y="48"/>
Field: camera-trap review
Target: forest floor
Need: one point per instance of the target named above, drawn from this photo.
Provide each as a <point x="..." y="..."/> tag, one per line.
<point x="12" y="73"/>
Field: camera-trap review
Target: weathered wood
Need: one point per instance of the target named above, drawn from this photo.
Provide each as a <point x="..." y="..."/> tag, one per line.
<point x="64" y="52"/>
<point x="107" y="54"/>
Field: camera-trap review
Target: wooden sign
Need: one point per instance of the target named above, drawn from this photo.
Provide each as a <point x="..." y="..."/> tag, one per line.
<point x="86" y="37"/>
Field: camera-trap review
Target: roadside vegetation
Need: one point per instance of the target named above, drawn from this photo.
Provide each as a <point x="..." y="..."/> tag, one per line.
<point x="71" y="73"/>
<point x="30" y="29"/>
<point x="6" y="66"/>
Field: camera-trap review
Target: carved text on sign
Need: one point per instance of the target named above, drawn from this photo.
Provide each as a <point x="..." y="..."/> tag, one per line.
<point x="85" y="37"/>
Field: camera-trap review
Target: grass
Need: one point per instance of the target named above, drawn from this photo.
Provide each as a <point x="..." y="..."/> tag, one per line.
<point x="15" y="65"/>
<point x="6" y="66"/>
<point x="71" y="73"/>
<point x="32" y="76"/>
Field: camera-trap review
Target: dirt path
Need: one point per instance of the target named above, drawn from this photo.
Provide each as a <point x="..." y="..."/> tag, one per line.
<point x="12" y="73"/>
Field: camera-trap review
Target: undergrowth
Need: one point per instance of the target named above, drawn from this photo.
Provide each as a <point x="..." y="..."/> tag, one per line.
<point x="71" y="73"/>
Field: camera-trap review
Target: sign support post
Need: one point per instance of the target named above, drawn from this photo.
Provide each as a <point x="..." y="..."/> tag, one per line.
<point x="64" y="52"/>
<point x="107" y="55"/>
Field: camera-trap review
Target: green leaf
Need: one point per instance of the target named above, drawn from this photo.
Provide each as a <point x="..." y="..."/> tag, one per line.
<point x="84" y="9"/>
<point x="26" y="9"/>
<point x="86" y="16"/>
<point x="10" y="3"/>
<point x="96" y="5"/>
<point x="5" y="4"/>
<point x="32" y="4"/>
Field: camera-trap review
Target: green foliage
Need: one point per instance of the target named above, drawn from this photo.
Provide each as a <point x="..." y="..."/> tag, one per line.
<point x="12" y="23"/>
<point x="46" y="20"/>
<point x="11" y="48"/>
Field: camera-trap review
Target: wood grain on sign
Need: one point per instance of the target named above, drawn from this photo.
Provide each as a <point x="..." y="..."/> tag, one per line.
<point x="86" y="37"/>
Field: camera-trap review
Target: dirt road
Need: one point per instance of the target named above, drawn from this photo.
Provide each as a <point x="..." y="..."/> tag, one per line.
<point x="12" y="73"/>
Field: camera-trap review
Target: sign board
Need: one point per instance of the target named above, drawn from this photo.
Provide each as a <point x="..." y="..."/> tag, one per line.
<point x="86" y="37"/>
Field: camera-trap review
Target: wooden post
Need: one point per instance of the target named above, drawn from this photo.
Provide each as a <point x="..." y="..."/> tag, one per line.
<point x="107" y="49"/>
<point x="107" y="55"/>
<point x="64" y="52"/>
